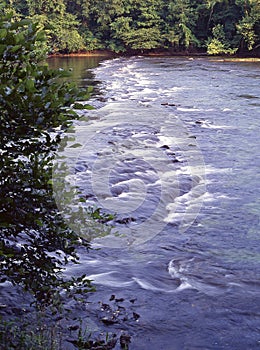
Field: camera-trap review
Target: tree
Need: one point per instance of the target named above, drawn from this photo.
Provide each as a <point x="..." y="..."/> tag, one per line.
<point x="219" y="44"/>
<point x="222" y="21"/>
<point x="210" y="5"/>
<point x="48" y="7"/>
<point x="180" y="19"/>
<point x="61" y="26"/>
<point x="125" y="25"/>
<point x="99" y="24"/>
<point x="35" y="242"/>
<point x="249" y="26"/>
<point x="64" y="34"/>
<point x="138" y="28"/>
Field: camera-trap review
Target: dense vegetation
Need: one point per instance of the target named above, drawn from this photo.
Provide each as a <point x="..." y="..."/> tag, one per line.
<point x="35" y="243"/>
<point x="218" y="26"/>
<point x="36" y="106"/>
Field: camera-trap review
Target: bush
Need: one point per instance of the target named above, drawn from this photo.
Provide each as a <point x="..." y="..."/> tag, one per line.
<point x="35" y="243"/>
<point x="219" y="44"/>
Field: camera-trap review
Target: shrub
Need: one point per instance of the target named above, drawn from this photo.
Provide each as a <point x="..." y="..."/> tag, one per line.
<point x="35" y="243"/>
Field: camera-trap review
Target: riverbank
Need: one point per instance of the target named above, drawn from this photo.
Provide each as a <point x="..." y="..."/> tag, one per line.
<point x="242" y="57"/>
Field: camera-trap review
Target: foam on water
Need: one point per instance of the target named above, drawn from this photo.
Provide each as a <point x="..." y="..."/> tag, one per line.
<point x="108" y="279"/>
<point x="184" y="272"/>
<point x="212" y="266"/>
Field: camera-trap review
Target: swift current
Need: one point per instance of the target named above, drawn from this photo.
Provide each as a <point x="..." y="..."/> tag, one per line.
<point x="172" y="149"/>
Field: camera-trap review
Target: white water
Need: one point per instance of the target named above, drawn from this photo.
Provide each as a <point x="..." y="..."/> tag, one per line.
<point x="174" y="150"/>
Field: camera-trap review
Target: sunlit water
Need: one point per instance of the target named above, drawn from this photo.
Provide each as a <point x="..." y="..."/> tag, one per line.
<point x="177" y="137"/>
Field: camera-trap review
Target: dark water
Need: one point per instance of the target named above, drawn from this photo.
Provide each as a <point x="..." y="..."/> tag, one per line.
<point x="173" y="148"/>
<point x="80" y="66"/>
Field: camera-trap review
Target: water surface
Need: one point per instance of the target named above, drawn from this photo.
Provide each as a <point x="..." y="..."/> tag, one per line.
<point x="174" y="148"/>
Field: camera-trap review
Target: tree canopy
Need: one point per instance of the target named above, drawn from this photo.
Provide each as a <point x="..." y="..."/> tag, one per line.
<point x="216" y="26"/>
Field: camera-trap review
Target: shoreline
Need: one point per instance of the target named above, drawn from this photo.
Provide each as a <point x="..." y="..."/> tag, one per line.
<point x="107" y="53"/>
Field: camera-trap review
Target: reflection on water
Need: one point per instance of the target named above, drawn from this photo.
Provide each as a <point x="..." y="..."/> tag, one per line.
<point x="197" y="288"/>
<point x="80" y="66"/>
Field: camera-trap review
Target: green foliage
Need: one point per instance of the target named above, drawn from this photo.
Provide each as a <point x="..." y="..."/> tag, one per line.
<point x="35" y="242"/>
<point x="28" y="336"/>
<point x="42" y="333"/>
<point x="219" y="45"/>
<point x="138" y="26"/>
<point x="61" y="27"/>
<point x="246" y="28"/>
<point x="216" y="47"/>
<point x="249" y="26"/>
<point x="92" y="42"/>
<point x="180" y="25"/>
<point x="64" y="34"/>
<point x="180" y="19"/>
<point x="46" y="7"/>
<point x="142" y="38"/>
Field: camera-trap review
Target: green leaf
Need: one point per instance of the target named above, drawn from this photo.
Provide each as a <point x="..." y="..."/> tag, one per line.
<point x="15" y="48"/>
<point x="19" y="38"/>
<point x="76" y="145"/>
<point x="78" y="106"/>
<point x="30" y="85"/>
<point x="40" y="36"/>
<point x="3" y="33"/>
<point x="89" y="107"/>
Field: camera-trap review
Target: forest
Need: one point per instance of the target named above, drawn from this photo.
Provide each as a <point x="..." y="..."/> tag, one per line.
<point x="140" y="26"/>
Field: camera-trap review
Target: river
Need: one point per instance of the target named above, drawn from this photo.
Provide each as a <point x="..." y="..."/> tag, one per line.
<point x="173" y="149"/>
